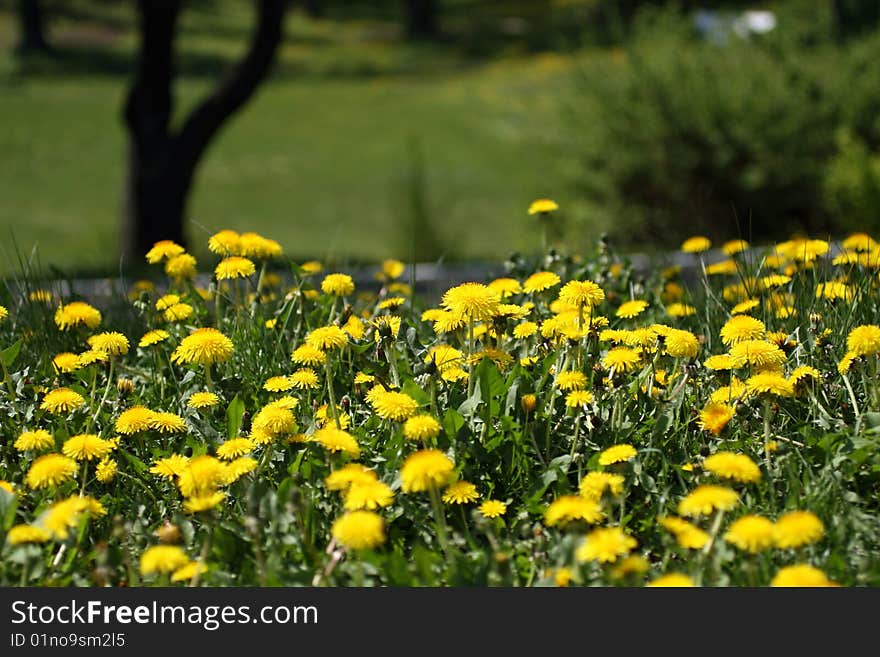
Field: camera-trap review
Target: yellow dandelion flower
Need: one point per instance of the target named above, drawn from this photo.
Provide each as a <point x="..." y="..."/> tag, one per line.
<point x="203" y="346"/>
<point x="540" y="281"/>
<point x="605" y="545"/>
<point x="621" y="359"/>
<point x="349" y="475"/>
<point x="715" y="416"/>
<point x="396" y="406"/>
<point x="170" y="466"/>
<point x="181" y="266"/>
<point x="705" y="499"/>
<point x="225" y="243"/>
<point x="742" y="327"/>
<point x="578" y="398"/>
<point x="304" y="379"/>
<point x="202" y="399"/>
<point x="153" y="337"/>
<point x="234" y="448"/>
<point x="680" y="310"/>
<point x="337" y="440"/>
<point x="105" y="471"/>
<point x="630" y="309"/>
<point x="234" y="267"/>
<point x="804" y="373"/>
<point x="581" y="293"/>
<point x="471" y="302"/>
<point x="801" y="575"/>
<point x="696" y="244"/>
<point x="505" y="287"/>
<point x="20" y="534"/>
<point x="165" y="422"/>
<point x="722" y="268"/>
<point x="367" y="495"/>
<point x="65" y="362"/>
<point x="635" y="564"/>
<point x="571" y="380"/>
<point x="86" y="447"/>
<point x="686" y="535"/>
<point x="162" y="559"/>
<point x="460" y="492"/>
<point x="750" y="533"/>
<point x="359" y="530"/>
<point x="524" y="330"/>
<point x="594" y="484"/>
<point x="50" y="470"/>
<point x="672" y="580"/>
<point x="62" y="400"/>
<point x="339" y="285"/>
<point x="492" y="508"/>
<point x="681" y="344"/>
<point x="254" y="245"/>
<point x="36" y="441"/>
<point x="134" y="420"/>
<point x="187" y="572"/>
<point x="239" y="467"/>
<point x="76" y="313"/>
<point x="421" y="427"/>
<point x="162" y="250"/>
<point x="733" y="247"/>
<point x="864" y="340"/>
<point x="306" y="354"/>
<point x="759" y="354"/>
<point x="543" y="206"/>
<point x="327" y="338"/>
<point x="617" y="454"/>
<point x="745" y="306"/>
<point x="571" y="508"/>
<point x="178" y="312"/>
<point x="770" y="383"/>
<point x="424" y="470"/>
<point x="278" y="384"/>
<point x="797" y="528"/>
<point x="112" y="343"/>
<point x="730" y="465"/>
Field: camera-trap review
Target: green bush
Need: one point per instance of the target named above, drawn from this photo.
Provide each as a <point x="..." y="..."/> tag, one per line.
<point x="684" y="136"/>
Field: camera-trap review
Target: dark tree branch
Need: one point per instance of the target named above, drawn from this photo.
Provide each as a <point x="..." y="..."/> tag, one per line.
<point x="235" y="90"/>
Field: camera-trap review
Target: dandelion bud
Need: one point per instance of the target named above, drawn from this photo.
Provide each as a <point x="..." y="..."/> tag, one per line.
<point x="168" y="533"/>
<point x="124" y="386"/>
<point x="528" y="403"/>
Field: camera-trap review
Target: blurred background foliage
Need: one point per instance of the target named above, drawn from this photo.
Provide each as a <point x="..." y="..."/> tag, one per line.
<point x="377" y="137"/>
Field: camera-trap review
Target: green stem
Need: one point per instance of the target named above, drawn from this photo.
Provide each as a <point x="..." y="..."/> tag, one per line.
<point x="209" y="382"/>
<point x="331" y="394"/>
<point x="8" y="380"/>
<point x="203" y="554"/>
<point x="470" y="348"/>
<point x="440" y="521"/>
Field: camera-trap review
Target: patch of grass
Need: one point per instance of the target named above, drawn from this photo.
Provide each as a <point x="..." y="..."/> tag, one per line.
<point x="321" y="158"/>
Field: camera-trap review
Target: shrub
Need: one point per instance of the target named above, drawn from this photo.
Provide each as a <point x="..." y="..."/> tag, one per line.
<point x="686" y="136"/>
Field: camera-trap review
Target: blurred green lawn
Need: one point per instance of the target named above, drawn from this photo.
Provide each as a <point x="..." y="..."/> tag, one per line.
<point x="321" y="159"/>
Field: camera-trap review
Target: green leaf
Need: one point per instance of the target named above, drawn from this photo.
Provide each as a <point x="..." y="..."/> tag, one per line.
<point x="11" y="353"/>
<point x="453" y="421"/>
<point x="139" y="465"/>
<point x="469" y="405"/>
<point x="234" y="416"/>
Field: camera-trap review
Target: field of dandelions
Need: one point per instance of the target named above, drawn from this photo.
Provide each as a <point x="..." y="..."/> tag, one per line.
<point x="571" y="423"/>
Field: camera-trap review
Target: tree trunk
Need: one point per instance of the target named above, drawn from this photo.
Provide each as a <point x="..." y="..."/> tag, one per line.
<point x="32" y="36"/>
<point x="421" y="19"/>
<point x="314" y="8"/>
<point x="162" y="163"/>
